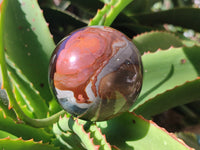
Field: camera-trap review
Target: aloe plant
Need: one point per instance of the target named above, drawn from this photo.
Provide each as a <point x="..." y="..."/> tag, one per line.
<point x="30" y="117"/>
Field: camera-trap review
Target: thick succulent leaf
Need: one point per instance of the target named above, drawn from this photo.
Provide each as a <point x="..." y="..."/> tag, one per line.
<point x="177" y="96"/>
<point x="65" y="132"/>
<point x="19" y="144"/>
<point x="4" y="105"/>
<point x="72" y="134"/>
<point x="130" y="131"/>
<point x="28" y="42"/>
<point x="188" y="41"/>
<point x="130" y="28"/>
<point x="65" y="139"/>
<point x="54" y="106"/>
<point x="151" y="41"/>
<point x="99" y="138"/>
<point x="185" y="17"/>
<point x="138" y="6"/>
<point x="109" y="12"/>
<point x="22" y="130"/>
<point x="30" y="95"/>
<point x="164" y="70"/>
<point x="23" y="103"/>
<point x="4" y="134"/>
<point x="83" y="135"/>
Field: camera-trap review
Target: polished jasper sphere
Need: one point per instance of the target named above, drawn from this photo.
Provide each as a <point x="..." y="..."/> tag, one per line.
<point x="96" y="73"/>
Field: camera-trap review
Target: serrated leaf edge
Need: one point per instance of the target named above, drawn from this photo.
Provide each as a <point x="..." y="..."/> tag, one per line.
<point x="171" y="48"/>
<point x="168" y="90"/>
<point x="156" y="31"/>
<point x="103" y="140"/>
<point x="163" y="129"/>
<point x="30" y="141"/>
<point x="96" y="147"/>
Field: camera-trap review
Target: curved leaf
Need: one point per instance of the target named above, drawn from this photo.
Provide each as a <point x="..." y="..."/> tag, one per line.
<point x="99" y="138"/>
<point x="4" y="105"/>
<point x="177" y="96"/>
<point x="30" y="95"/>
<point x="83" y="135"/>
<point x="28" y="42"/>
<point x="83" y="132"/>
<point x="23" y="103"/>
<point x="185" y="17"/>
<point x="138" y="6"/>
<point x="19" y="144"/>
<point x="130" y="131"/>
<point x="77" y="135"/>
<point x="164" y="70"/>
<point x="66" y="140"/>
<point x="4" y="134"/>
<point x="151" y="41"/>
<point x="22" y="130"/>
<point x="109" y="12"/>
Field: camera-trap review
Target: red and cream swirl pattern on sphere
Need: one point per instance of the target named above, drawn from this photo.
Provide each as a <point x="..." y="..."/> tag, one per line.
<point x="96" y="73"/>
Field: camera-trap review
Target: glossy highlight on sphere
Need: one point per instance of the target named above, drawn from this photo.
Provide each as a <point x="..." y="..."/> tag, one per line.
<point x="96" y="73"/>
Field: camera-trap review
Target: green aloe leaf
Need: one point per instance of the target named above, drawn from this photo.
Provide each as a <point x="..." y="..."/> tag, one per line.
<point x="23" y="103"/>
<point x="68" y="140"/>
<point x="109" y="12"/>
<point x="80" y="131"/>
<point x="99" y="138"/>
<point x="19" y="144"/>
<point x="188" y="41"/>
<point x="130" y="131"/>
<point x="22" y="130"/>
<point x="177" y="96"/>
<point x="64" y="137"/>
<point x="185" y="17"/>
<point x="85" y="137"/>
<point x="151" y="41"/>
<point x="164" y="70"/>
<point x="4" y="102"/>
<point x="130" y="28"/>
<point x="138" y="6"/>
<point x="4" y="134"/>
<point x="28" y="42"/>
<point x="29" y="94"/>
<point x="72" y="134"/>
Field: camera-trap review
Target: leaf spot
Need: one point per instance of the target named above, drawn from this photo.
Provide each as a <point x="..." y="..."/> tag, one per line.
<point x="20" y="27"/>
<point x="42" y="85"/>
<point x="183" y="61"/>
